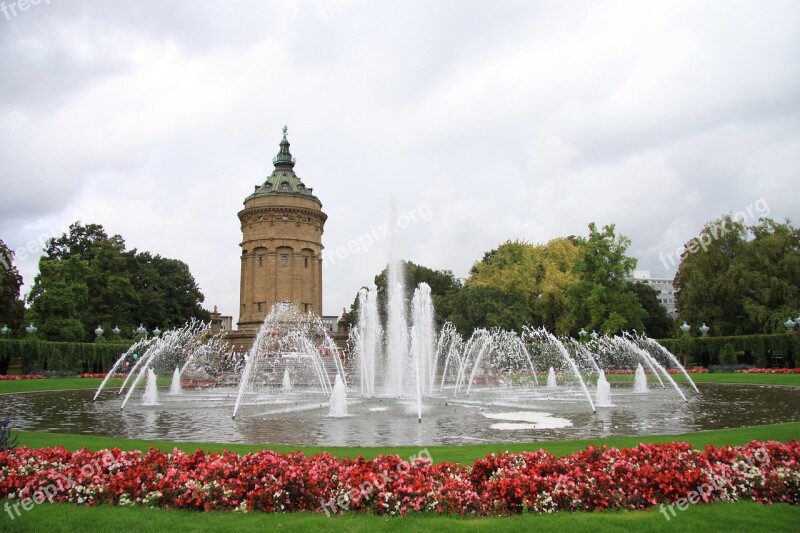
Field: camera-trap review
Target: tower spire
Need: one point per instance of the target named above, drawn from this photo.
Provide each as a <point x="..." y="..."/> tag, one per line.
<point x="284" y="158"/>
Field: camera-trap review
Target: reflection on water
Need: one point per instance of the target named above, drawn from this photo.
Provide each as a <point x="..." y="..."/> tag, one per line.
<point x="300" y="417"/>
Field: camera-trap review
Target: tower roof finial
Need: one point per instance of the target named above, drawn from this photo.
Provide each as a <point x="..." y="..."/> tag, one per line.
<point x="284" y="158"/>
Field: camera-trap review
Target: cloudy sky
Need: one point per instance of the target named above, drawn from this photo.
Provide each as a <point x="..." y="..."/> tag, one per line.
<point x="479" y="121"/>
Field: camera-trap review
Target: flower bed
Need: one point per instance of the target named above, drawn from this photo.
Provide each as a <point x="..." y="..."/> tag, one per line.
<point x="690" y="370"/>
<point x="13" y="377"/>
<point x="770" y="371"/>
<point x="101" y="375"/>
<point x="593" y="479"/>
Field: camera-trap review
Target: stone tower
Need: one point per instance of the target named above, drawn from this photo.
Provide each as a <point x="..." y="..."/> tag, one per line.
<point x="282" y="224"/>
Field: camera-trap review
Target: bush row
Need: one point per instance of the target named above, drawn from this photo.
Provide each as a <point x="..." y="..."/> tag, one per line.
<point x="60" y="356"/>
<point x="760" y="350"/>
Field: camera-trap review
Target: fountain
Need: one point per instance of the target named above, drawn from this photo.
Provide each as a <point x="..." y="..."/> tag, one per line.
<point x="640" y="380"/>
<point x="404" y="368"/>
<point x="367" y="339"/>
<point x="603" y="394"/>
<point x="289" y="340"/>
<point x="338" y="408"/>
<point x="151" y="391"/>
<point x="175" y="386"/>
<point x="551" y="377"/>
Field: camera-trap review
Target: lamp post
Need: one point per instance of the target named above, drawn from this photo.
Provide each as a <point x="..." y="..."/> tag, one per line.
<point x="99" y="332"/>
<point x="704" y="329"/>
<point x="4" y="331"/>
<point x="789" y="324"/>
<point x="31" y="328"/>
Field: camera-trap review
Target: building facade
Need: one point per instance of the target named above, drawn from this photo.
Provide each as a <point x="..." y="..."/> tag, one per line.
<point x="281" y="259"/>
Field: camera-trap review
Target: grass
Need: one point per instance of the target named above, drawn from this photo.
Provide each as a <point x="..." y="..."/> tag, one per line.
<point x="460" y="454"/>
<point x="791" y="380"/>
<point x="743" y="516"/>
<point x="57" y="384"/>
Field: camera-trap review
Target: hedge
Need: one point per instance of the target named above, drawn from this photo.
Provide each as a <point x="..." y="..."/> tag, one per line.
<point x="61" y="356"/>
<point x="759" y="350"/>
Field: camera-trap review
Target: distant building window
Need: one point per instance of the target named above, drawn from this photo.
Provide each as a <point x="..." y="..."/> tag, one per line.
<point x="284" y="260"/>
<point x="260" y="260"/>
<point x="260" y="306"/>
<point x="305" y="262"/>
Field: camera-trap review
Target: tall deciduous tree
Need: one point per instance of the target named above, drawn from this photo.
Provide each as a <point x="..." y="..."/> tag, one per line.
<point x="58" y="297"/>
<point x="600" y="300"/>
<point x="123" y="288"/>
<point x="740" y="280"/>
<point x="11" y="307"/>
<point x="656" y="322"/>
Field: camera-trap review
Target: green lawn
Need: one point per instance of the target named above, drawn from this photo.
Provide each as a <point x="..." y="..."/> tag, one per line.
<point x="744" y="516"/>
<point x="36" y="385"/>
<point x="460" y="454"/>
<point x="792" y="380"/>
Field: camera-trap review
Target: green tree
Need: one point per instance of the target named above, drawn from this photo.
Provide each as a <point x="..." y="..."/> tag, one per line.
<point x="484" y="306"/>
<point x="123" y="288"/>
<point x="167" y="294"/>
<point x="740" y="280"/>
<point x="441" y="282"/>
<point x="538" y="275"/>
<point x="600" y="299"/>
<point x="11" y="307"/>
<point x="112" y="298"/>
<point x="656" y="322"/>
<point x="58" y="296"/>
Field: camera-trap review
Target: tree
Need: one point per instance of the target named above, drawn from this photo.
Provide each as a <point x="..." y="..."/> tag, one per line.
<point x="599" y="300"/>
<point x="656" y="322"/>
<point x="123" y="288"/>
<point x="539" y="275"/>
<point x="167" y="294"/>
<point x="740" y="280"/>
<point x="441" y="282"/>
<point x="11" y="307"/>
<point x="484" y="306"/>
<point x="58" y="296"/>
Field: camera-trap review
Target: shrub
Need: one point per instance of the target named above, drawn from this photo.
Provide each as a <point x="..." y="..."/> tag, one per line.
<point x="727" y="357"/>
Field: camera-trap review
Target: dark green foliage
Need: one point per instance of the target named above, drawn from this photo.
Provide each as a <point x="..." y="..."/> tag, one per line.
<point x="67" y="356"/>
<point x="657" y="324"/>
<point x="754" y="349"/>
<point x="743" y="280"/>
<point x="600" y="299"/>
<point x="727" y="356"/>
<point x="488" y="307"/>
<point x="11" y="307"/>
<point x="87" y="279"/>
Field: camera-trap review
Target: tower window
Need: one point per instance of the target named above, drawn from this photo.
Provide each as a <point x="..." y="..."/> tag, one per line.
<point x="284" y="260"/>
<point x="260" y="260"/>
<point x="305" y="262"/>
<point x="260" y="306"/>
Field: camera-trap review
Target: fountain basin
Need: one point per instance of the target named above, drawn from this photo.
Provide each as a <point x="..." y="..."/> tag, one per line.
<point x="300" y="416"/>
